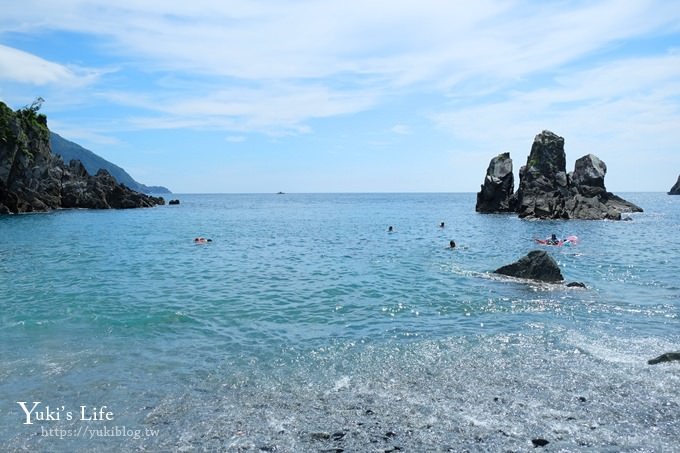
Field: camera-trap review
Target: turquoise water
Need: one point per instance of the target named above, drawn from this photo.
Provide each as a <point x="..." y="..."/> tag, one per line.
<point x="306" y="326"/>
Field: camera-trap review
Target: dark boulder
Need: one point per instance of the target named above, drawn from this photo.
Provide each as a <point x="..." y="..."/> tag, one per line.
<point x="675" y="190"/>
<point x="173" y="202"/>
<point x="496" y="194"/>
<point x="539" y="442"/>
<point x="537" y="265"/>
<point x="576" y="285"/>
<point x="667" y="357"/>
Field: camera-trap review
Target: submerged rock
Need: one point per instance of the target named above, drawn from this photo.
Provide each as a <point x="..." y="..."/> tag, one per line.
<point x="667" y="357"/>
<point x="539" y="442"/>
<point x="537" y="265"/>
<point x="675" y="190"/>
<point x="576" y="285"/>
<point x="496" y="194"/>
<point x="546" y="191"/>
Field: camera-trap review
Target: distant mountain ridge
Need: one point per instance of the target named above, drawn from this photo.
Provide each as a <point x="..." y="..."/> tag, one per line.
<point x="69" y="150"/>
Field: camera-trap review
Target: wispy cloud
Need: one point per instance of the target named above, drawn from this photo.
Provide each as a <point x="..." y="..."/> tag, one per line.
<point x="328" y="58"/>
<point x="24" y="67"/>
<point x="401" y="129"/>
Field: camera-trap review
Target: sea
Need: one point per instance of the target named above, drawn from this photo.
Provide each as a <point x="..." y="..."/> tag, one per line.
<point x="305" y="326"/>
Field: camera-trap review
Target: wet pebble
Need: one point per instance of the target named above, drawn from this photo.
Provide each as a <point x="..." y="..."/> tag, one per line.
<point x="539" y="442"/>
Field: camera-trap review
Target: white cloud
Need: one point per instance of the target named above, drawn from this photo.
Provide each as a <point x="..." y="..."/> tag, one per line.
<point x="19" y="66"/>
<point x="401" y="129"/>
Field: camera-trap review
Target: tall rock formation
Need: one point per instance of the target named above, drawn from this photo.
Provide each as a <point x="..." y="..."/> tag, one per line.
<point x="546" y="191"/>
<point x="34" y="179"/>
<point x="496" y="194"/>
<point x="675" y="190"/>
<point x="543" y="185"/>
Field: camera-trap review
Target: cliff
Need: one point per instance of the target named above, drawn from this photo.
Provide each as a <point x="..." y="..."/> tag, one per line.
<point x="69" y="150"/>
<point x="32" y="178"/>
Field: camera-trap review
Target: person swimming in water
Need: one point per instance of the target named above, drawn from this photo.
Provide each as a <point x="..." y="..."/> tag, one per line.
<point x="553" y="240"/>
<point x="441" y="225"/>
<point x="201" y="240"/>
<point x="452" y="244"/>
<point x="390" y="229"/>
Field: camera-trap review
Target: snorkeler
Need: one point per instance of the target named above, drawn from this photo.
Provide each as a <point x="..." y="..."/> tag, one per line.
<point x="201" y="240"/>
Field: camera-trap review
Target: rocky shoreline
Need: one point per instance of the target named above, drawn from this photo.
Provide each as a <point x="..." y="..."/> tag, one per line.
<point x="33" y="179"/>
<point x="546" y="190"/>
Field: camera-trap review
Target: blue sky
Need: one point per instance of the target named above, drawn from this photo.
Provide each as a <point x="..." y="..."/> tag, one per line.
<point x="350" y="96"/>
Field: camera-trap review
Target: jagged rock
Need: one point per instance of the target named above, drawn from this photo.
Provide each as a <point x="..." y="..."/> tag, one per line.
<point x="576" y="285"/>
<point x="546" y="191"/>
<point x="34" y="179"/>
<point x="667" y="357"/>
<point x="173" y="202"/>
<point x="496" y="194"/>
<point x="675" y="190"/>
<point x="543" y="180"/>
<point x="537" y="265"/>
<point x="588" y="176"/>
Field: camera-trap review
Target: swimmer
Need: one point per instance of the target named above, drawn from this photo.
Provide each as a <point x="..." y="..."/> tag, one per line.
<point x="390" y="229"/>
<point x="201" y="240"/>
<point x="441" y="225"/>
<point x="452" y="244"/>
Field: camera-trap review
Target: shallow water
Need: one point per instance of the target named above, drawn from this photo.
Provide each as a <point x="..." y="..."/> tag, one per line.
<point x="306" y="326"/>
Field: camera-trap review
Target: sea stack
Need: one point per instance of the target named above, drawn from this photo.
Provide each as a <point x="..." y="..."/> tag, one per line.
<point x="547" y="191"/>
<point x="675" y="190"/>
<point x="496" y="194"/>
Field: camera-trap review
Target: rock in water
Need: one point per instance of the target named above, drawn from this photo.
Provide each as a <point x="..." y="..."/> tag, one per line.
<point x="667" y="357"/>
<point x="675" y="190"/>
<point x="546" y="191"/>
<point x="543" y="184"/>
<point x="496" y="194"/>
<point x="537" y="265"/>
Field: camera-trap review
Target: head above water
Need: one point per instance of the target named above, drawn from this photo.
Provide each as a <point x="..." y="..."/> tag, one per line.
<point x="452" y="244"/>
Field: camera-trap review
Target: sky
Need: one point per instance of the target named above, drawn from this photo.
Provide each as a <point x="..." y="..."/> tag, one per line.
<point x="259" y="96"/>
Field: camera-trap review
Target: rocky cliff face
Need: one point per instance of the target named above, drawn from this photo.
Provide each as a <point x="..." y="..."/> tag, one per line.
<point x="546" y="191"/>
<point x="34" y="179"/>
<point x="496" y="194"/>
<point x="675" y="190"/>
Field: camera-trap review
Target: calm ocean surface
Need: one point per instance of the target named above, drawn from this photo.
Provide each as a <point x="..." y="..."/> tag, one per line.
<point x="306" y="326"/>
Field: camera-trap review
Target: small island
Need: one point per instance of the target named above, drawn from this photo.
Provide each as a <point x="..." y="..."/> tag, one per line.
<point x="546" y="190"/>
